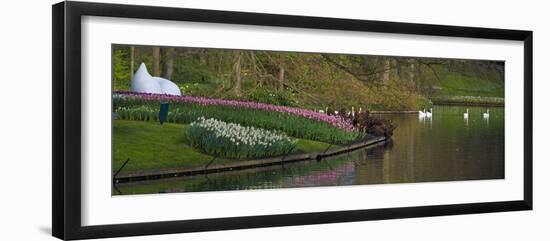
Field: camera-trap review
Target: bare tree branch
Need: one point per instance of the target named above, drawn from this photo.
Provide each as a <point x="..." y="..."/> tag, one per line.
<point x="344" y="68"/>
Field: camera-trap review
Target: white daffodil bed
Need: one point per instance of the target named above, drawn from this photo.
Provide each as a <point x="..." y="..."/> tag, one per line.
<point x="232" y="140"/>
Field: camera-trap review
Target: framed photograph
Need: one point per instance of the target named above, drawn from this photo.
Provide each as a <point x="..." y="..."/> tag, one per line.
<point x="170" y="120"/>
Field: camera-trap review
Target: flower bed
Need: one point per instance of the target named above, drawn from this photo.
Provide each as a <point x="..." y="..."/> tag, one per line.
<point x="291" y="125"/>
<point x="232" y="140"/>
<point x="335" y="121"/>
<point x="133" y="108"/>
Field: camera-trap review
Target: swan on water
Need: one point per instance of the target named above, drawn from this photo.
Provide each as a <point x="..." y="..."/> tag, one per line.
<point x="422" y="114"/>
<point x="466" y="114"/>
<point x="429" y="114"/>
<point x="486" y="114"/>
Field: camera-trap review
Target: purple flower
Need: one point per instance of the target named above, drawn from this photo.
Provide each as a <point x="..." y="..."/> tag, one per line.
<point x="335" y="121"/>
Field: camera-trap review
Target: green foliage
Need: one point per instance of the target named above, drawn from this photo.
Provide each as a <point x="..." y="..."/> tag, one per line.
<point x="132" y="109"/>
<point x="394" y="99"/>
<point x="317" y="81"/>
<point x="272" y="96"/>
<point x="198" y="89"/>
<point x="189" y="70"/>
<point x="121" y="69"/>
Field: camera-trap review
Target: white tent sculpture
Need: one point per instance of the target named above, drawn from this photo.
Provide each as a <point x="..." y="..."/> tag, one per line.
<point x="145" y="83"/>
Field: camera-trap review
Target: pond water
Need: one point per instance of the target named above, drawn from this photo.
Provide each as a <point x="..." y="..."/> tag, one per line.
<point x="445" y="147"/>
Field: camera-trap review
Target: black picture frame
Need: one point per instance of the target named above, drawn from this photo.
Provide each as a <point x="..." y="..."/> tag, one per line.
<point x="66" y="128"/>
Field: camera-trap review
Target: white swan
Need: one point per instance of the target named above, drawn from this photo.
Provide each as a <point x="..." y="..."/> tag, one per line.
<point x="466" y="114"/>
<point x="145" y="83"/>
<point x="422" y="114"/>
<point x="486" y="114"/>
<point x="429" y="114"/>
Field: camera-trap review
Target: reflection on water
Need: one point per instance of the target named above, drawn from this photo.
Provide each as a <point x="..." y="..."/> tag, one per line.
<point x="446" y="147"/>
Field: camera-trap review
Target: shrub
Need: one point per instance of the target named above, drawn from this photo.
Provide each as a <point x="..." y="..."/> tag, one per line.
<point x="392" y="98"/>
<point x="370" y="124"/>
<point x="272" y="96"/>
<point x="191" y="71"/>
<point x="121" y="69"/>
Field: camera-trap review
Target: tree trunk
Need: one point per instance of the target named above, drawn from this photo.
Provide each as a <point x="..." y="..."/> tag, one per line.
<point x="202" y="57"/>
<point x="168" y="63"/>
<point x="394" y="68"/>
<point x="412" y="70"/>
<point x="387" y="70"/>
<point x="256" y="69"/>
<point x="237" y="72"/>
<point x="281" y="77"/>
<point x="156" y="61"/>
<point x="132" y="49"/>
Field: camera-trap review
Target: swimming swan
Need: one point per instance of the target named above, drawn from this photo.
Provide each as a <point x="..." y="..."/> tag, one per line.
<point x="422" y="114"/>
<point x="429" y="114"/>
<point x="486" y="114"/>
<point x="466" y="114"/>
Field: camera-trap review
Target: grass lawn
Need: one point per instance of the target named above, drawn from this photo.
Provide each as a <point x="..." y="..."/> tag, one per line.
<point x="311" y="146"/>
<point x="151" y="146"/>
<point x="455" y="88"/>
<point x="454" y="84"/>
<point x="468" y="100"/>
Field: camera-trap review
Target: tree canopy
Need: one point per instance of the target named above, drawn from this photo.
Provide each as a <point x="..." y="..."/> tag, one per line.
<point x="311" y="80"/>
